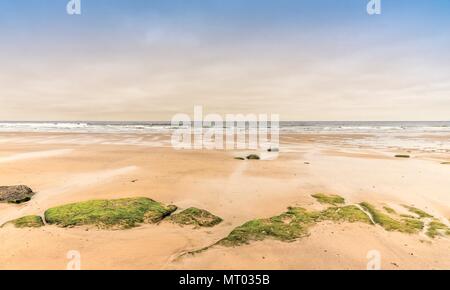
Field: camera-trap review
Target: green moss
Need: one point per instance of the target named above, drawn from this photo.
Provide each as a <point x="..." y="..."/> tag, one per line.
<point x="285" y="227"/>
<point x="407" y="216"/>
<point x="31" y="221"/>
<point x="253" y="157"/>
<point x="436" y="228"/>
<point x="196" y="217"/>
<point x="389" y="210"/>
<point x="402" y="156"/>
<point x="418" y="212"/>
<point x="349" y="213"/>
<point x="291" y="225"/>
<point x="329" y="199"/>
<point x="405" y="225"/>
<point x="120" y="213"/>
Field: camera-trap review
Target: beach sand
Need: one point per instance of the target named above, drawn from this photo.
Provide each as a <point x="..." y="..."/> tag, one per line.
<point x="65" y="168"/>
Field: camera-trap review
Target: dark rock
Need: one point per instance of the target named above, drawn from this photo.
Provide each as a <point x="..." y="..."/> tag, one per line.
<point x="15" y="194"/>
<point x="273" y="150"/>
<point x="253" y="157"/>
<point x="402" y="156"/>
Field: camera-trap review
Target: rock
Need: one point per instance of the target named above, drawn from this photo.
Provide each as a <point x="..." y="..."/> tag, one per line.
<point x="112" y="214"/>
<point x="273" y="150"/>
<point x="253" y="157"/>
<point x="31" y="221"/>
<point x="239" y="158"/>
<point x="15" y="194"/>
<point x="196" y="217"/>
<point x="402" y="156"/>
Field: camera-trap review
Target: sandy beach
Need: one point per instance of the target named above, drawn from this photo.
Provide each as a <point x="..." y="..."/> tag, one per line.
<point x="66" y="168"/>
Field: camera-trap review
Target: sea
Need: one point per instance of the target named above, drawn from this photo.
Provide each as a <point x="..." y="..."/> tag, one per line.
<point x="371" y="127"/>
<point x="424" y="136"/>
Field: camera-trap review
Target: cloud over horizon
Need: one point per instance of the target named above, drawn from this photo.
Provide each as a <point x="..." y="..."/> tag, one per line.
<point x="151" y="60"/>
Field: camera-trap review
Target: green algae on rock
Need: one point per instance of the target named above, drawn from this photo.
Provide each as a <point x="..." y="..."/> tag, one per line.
<point x="31" y="221"/>
<point x="404" y="225"/>
<point x="417" y="211"/>
<point x="196" y="217"/>
<point x="119" y="213"/>
<point x="291" y="225"/>
<point x="437" y="228"/>
<point x="329" y="199"/>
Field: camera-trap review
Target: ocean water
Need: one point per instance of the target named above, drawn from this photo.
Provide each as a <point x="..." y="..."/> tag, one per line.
<point x="285" y="127"/>
<point x="423" y="136"/>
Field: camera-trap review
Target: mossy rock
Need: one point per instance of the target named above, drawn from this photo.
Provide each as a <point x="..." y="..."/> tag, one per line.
<point x="31" y="221"/>
<point x="119" y="213"/>
<point x="15" y="194"/>
<point x="291" y="225"/>
<point x="285" y="227"/>
<point x="329" y="199"/>
<point x="351" y="214"/>
<point x="389" y="210"/>
<point x="418" y="212"/>
<point x="196" y="217"/>
<point x="402" y="156"/>
<point x="437" y="228"/>
<point x="253" y="157"/>
<point x="404" y="225"/>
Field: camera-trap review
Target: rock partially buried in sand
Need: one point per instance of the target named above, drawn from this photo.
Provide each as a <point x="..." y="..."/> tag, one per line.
<point x="196" y="217"/>
<point x="253" y="157"/>
<point x="329" y="199"/>
<point x="291" y="225"/>
<point x="273" y="150"/>
<point x="15" y="194"/>
<point x="110" y="214"/>
<point x="31" y="221"/>
<point x="408" y="225"/>
<point x="402" y="156"/>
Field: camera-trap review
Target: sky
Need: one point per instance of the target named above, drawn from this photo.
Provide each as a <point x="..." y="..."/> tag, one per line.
<point x="147" y="60"/>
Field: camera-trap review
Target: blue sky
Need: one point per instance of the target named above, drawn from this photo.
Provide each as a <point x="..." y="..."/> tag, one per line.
<point x="148" y="60"/>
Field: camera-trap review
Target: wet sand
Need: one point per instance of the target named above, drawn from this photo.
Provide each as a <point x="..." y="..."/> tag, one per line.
<point x="65" y="168"/>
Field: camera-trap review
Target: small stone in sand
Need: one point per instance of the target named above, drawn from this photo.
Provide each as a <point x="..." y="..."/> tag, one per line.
<point x="253" y="157"/>
<point x="402" y="156"/>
